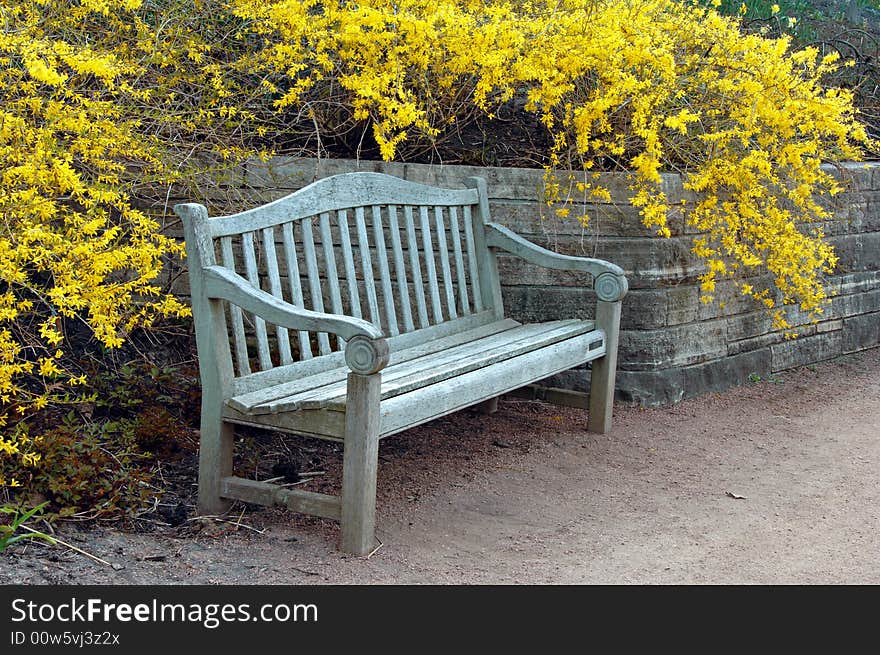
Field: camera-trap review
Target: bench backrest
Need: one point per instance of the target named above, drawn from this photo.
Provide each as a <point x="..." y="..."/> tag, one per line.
<point x="401" y="255"/>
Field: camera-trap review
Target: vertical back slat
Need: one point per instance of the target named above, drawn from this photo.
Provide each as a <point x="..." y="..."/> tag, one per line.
<point x="330" y="263"/>
<point x="384" y="273"/>
<point x="293" y="279"/>
<point x="472" y="258"/>
<point x="444" y="263"/>
<point x="250" y="265"/>
<point x="354" y="298"/>
<point x="415" y="267"/>
<point x="241" y="356"/>
<point x="367" y="266"/>
<point x="275" y="288"/>
<point x="314" y="276"/>
<point x="428" y="248"/>
<point x="400" y="269"/>
<point x="459" y="261"/>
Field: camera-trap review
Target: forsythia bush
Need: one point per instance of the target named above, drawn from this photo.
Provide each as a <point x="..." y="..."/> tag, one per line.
<point x="637" y="85"/>
<point x="101" y="98"/>
<point x="73" y="250"/>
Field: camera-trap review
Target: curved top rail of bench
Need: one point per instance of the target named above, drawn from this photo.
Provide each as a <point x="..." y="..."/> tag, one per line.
<point x="339" y="192"/>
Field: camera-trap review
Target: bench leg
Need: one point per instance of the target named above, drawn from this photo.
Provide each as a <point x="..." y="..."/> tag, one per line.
<point x="488" y="406"/>
<point x="215" y="463"/>
<point x="359" y="461"/>
<point x="604" y="368"/>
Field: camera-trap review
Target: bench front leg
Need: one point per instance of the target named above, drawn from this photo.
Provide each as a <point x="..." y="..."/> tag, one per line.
<point x="604" y="369"/>
<point x="215" y="458"/>
<point x="359" y="462"/>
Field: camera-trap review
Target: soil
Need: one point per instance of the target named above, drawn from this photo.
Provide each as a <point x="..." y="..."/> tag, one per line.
<point x="773" y="482"/>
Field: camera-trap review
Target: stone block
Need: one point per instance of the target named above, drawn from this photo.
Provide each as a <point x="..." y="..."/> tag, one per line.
<point x="861" y="332"/>
<point x="806" y="350"/>
<point x="668" y="386"/>
<point x="679" y="345"/>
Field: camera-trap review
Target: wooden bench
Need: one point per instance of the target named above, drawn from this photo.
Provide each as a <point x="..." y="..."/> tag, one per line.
<point x="364" y="305"/>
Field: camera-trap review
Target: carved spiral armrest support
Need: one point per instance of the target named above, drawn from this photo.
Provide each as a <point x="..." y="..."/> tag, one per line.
<point x="366" y="356"/>
<point x="610" y="287"/>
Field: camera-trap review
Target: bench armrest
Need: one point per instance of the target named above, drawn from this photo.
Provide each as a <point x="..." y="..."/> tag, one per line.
<point x="609" y="280"/>
<point x="366" y="350"/>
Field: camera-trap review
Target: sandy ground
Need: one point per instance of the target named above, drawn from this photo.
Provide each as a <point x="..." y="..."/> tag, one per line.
<point x="774" y="482"/>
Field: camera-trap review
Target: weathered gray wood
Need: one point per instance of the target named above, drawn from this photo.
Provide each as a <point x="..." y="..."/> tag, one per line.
<point x="336" y="193"/>
<point x="275" y="287"/>
<point x="444" y="263"/>
<point x="427" y="244"/>
<point x="415" y="268"/>
<point x="490" y="284"/>
<point x="224" y="284"/>
<point x="297" y="500"/>
<point x="330" y="267"/>
<point x="295" y="283"/>
<point x="434" y="333"/>
<point x="384" y="272"/>
<point x="472" y="259"/>
<point x="273" y="399"/>
<point x="436" y="367"/>
<point x="250" y="265"/>
<point x="354" y="298"/>
<point x="564" y="397"/>
<point x="238" y="335"/>
<point x="553" y="395"/>
<point x="459" y="261"/>
<point x="321" y="424"/>
<point x="359" y="461"/>
<point x="215" y="362"/>
<point x="367" y="265"/>
<point x="429" y="372"/>
<point x="330" y="263"/>
<point x="400" y="269"/>
<point x="498" y="236"/>
<point x="427" y="403"/>
<point x="604" y="369"/>
<point x="314" y="276"/>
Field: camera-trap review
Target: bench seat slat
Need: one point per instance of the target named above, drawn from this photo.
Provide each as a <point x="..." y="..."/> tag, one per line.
<point x="250" y="401"/>
<point x="433" y="401"/>
<point x="418" y="366"/>
<point x="457" y="361"/>
<point x="426" y="403"/>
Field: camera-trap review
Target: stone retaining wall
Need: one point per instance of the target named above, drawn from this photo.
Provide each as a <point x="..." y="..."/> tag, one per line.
<point x="672" y="345"/>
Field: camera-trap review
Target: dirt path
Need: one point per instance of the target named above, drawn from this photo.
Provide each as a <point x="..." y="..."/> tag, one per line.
<point x="527" y="496"/>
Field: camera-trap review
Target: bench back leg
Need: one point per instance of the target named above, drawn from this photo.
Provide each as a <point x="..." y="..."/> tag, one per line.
<point x="604" y="369"/>
<point x="359" y="461"/>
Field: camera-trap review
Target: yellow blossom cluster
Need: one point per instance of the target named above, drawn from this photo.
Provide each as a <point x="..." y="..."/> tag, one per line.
<point x="644" y="86"/>
<point x="74" y="251"/>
